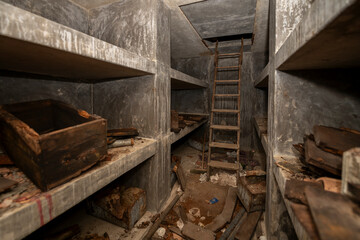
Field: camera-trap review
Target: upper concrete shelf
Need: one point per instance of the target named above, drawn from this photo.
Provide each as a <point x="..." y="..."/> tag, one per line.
<point x="181" y="80"/>
<point x="328" y="36"/>
<point x="263" y="78"/>
<point x="22" y="218"/>
<point x="32" y="44"/>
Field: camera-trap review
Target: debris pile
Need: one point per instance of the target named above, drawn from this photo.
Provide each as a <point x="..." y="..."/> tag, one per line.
<point x="323" y="203"/>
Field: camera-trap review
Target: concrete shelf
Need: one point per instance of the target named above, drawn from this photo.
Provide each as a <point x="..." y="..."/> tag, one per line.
<point x="263" y="78"/>
<point x="281" y="177"/>
<point x="181" y="80"/>
<point x="32" y="44"/>
<point x="183" y="132"/>
<point x="328" y="36"/>
<point x="260" y="124"/>
<point x="20" y="219"/>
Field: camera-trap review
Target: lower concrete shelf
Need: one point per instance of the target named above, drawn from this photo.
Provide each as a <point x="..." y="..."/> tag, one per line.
<point x="176" y="136"/>
<point x="22" y="217"/>
<point x="261" y="129"/>
<point x="281" y="176"/>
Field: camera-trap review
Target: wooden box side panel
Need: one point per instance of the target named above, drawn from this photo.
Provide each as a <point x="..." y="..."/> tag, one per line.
<point x="22" y="145"/>
<point x="68" y="152"/>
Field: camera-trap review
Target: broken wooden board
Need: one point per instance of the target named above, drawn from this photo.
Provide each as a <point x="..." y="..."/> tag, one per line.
<point x="6" y="184"/>
<point x="302" y="213"/>
<point x="295" y="189"/>
<point x="327" y="161"/>
<point x="252" y="192"/>
<point x="175" y="121"/>
<point x="226" y="214"/>
<point x="50" y="141"/>
<point x="330" y="184"/>
<point x="335" y="139"/>
<point x="248" y="227"/>
<point x="234" y="226"/>
<point x="335" y="215"/>
<point x="350" y="184"/>
<point x="122" y="132"/>
<point x="180" y="174"/>
<point x="196" y="232"/>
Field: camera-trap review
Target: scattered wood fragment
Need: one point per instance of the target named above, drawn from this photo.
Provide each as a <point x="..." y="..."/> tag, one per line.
<point x="182" y="214"/>
<point x="335" y="139"/>
<point x="175" y="121"/>
<point x="196" y="232"/>
<point x="176" y="231"/>
<point x="330" y="184"/>
<point x="6" y="184"/>
<point x="161" y="217"/>
<point x="302" y="213"/>
<point x="335" y="215"/>
<point x="327" y="161"/>
<point x="66" y="233"/>
<point x="180" y="174"/>
<point x="247" y="228"/>
<point x="295" y="189"/>
<point x="236" y="222"/>
<point x="226" y="214"/>
<point x="122" y="132"/>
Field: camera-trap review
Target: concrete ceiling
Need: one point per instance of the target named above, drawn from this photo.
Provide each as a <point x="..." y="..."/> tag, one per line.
<point x="89" y="4"/>
<point x="218" y="18"/>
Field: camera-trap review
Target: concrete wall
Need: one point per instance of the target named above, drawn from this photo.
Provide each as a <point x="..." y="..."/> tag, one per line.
<point x="128" y="24"/>
<point x="61" y="11"/>
<point x="16" y="89"/>
<point x="307" y="98"/>
<point x="288" y="15"/>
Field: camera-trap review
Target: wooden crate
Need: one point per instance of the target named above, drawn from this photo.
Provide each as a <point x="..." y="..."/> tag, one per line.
<point x="252" y="190"/>
<point x="50" y="141"/>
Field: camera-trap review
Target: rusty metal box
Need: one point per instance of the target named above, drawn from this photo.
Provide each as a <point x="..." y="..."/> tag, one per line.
<point x="50" y="141"/>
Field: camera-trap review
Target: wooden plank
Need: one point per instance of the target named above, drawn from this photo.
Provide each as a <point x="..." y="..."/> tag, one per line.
<point x="6" y="184"/>
<point x="196" y="232"/>
<point x="163" y="214"/>
<point x="226" y="95"/>
<point x="303" y="215"/>
<point x="225" y="110"/>
<point x="223" y="145"/>
<point x="295" y="189"/>
<point x="336" y="139"/>
<point x="336" y="216"/>
<point x="224" y="127"/>
<point x="180" y="174"/>
<point x="350" y="184"/>
<point x="123" y="132"/>
<point x="327" y="161"/>
<point x="238" y="219"/>
<point x="224" y="165"/>
<point x="247" y="228"/>
<point x="226" y="214"/>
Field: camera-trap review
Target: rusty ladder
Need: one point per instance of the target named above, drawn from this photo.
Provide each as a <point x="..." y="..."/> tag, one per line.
<point x="213" y="144"/>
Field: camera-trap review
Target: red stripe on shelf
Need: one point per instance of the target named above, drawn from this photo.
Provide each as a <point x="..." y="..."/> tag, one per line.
<point x="50" y="204"/>
<point x="40" y="212"/>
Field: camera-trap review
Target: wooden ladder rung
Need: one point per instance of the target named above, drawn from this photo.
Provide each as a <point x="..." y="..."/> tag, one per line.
<point x="224" y="165"/>
<point x="226" y="110"/>
<point x="224" y="127"/>
<point x="229" y="54"/>
<point x="227" y="67"/>
<point x="223" y="145"/>
<point x="227" y="81"/>
<point x="226" y="95"/>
